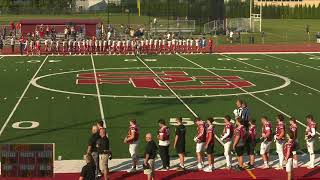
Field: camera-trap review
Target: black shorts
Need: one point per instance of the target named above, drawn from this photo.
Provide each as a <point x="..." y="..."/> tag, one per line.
<point x="239" y="150"/>
<point x="296" y="146"/>
<point x="250" y="146"/>
<point x="210" y="149"/>
<point x="180" y="149"/>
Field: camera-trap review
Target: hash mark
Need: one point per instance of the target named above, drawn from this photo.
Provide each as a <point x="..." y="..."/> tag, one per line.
<point x="310" y="93"/>
<point x="280" y="94"/>
<point x="295" y="94"/>
<point x="266" y="94"/>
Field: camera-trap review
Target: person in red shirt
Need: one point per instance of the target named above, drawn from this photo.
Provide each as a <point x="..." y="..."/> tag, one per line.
<point x="310" y="138"/>
<point x="251" y="142"/>
<point x="266" y="138"/>
<point x="288" y="155"/>
<point x="210" y="145"/>
<point x="226" y="138"/>
<point x="294" y="131"/>
<point x="239" y="142"/>
<point x="164" y="143"/>
<point x="280" y="139"/>
<point x="200" y="139"/>
<point x="133" y="140"/>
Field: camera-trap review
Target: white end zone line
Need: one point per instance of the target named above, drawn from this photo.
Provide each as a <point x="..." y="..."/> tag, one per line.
<point x="98" y="93"/>
<point x="276" y="74"/>
<point x="175" y="94"/>
<point x="21" y="97"/>
<point x="274" y="57"/>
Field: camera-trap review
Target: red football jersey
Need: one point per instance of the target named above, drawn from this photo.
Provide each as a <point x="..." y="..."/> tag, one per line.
<point x="267" y="128"/>
<point x="210" y="133"/>
<point x="288" y="147"/>
<point x="294" y="129"/>
<point x="133" y="130"/>
<point x="280" y="126"/>
<point x="165" y="132"/>
<point x="201" y="136"/>
<point x="226" y="127"/>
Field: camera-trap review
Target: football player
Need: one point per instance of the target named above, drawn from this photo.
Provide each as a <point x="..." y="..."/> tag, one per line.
<point x="279" y="138"/>
<point x="200" y="140"/>
<point x="310" y="138"/>
<point x="226" y="138"/>
<point x="266" y="138"/>
<point x="294" y="131"/>
<point x="239" y="142"/>
<point x="209" y="145"/>
<point x="133" y="140"/>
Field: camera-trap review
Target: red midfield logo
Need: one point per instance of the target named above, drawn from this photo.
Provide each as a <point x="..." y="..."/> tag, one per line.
<point x="147" y="80"/>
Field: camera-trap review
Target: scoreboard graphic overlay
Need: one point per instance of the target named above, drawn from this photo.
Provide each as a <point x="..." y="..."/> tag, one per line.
<point x="27" y="160"/>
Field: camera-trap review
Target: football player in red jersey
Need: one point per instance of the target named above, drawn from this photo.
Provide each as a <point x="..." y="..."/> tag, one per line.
<point x="210" y="145"/>
<point x="133" y="140"/>
<point x="164" y="143"/>
<point x="294" y="131"/>
<point x="288" y="155"/>
<point x="310" y="138"/>
<point x="266" y="137"/>
<point x="251" y="142"/>
<point x="239" y="141"/>
<point x="226" y="138"/>
<point x="200" y="139"/>
<point x="279" y="138"/>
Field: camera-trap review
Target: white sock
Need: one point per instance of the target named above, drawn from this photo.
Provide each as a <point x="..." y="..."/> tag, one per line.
<point x="181" y="166"/>
<point x="280" y="159"/>
<point x="228" y="160"/>
<point x="266" y="163"/>
<point x="295" y="163"/>
<point x="312" y="157"/>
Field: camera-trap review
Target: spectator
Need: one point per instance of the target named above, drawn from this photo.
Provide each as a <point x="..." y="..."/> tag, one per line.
<point x="164" y="143"/>
<point x="180" y="142"/>
<point x="92" y="148"/>
<point x="1" y="45"/>
<point x="21" y="43"/>
<point x="88" y="171"/>
<point x="149" y="157"/>
<point x="12" y="41"/>
<point x="104" y="153"/>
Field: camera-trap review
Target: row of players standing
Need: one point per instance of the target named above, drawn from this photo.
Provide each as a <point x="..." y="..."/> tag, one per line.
<point x="118" y="46"/>
<point x="240" y="138"/>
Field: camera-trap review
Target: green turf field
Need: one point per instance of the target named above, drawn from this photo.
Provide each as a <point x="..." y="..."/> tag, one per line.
<point x="63" y="109"/>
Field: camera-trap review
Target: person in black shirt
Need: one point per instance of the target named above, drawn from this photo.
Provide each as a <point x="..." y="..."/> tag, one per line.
<point x="149" y="157"/>
<point x="92" y="147"/>
<point x="180" y="142"/>
<point x="104" y="152"/>
<point x="88" y="171"/>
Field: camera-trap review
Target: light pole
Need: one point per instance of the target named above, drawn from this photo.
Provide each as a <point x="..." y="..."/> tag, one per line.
<point x="108" y="12"/>
<point x="128" y="11"/>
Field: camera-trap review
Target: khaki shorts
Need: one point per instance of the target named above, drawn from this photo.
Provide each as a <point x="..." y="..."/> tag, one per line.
<point x="151" y="170"/>
<point x="103" y="161"/>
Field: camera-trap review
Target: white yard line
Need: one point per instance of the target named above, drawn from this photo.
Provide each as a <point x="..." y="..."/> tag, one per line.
<point x="21" y="97"/>
<point x="292" y="62"/>
<point x="175" y="94"/>
<point x="98" y="92"/>
<point x="310" y="54"/>
<point x="277" y="74"/>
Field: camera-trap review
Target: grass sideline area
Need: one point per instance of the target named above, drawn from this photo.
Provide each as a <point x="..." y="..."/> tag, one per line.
<point x="66" y="108"/>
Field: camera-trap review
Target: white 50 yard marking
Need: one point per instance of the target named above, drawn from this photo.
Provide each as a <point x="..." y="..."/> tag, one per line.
<point x="36" y="84"/>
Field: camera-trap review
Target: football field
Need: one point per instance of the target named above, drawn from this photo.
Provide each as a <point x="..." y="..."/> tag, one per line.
<point x="56" y="99"/>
